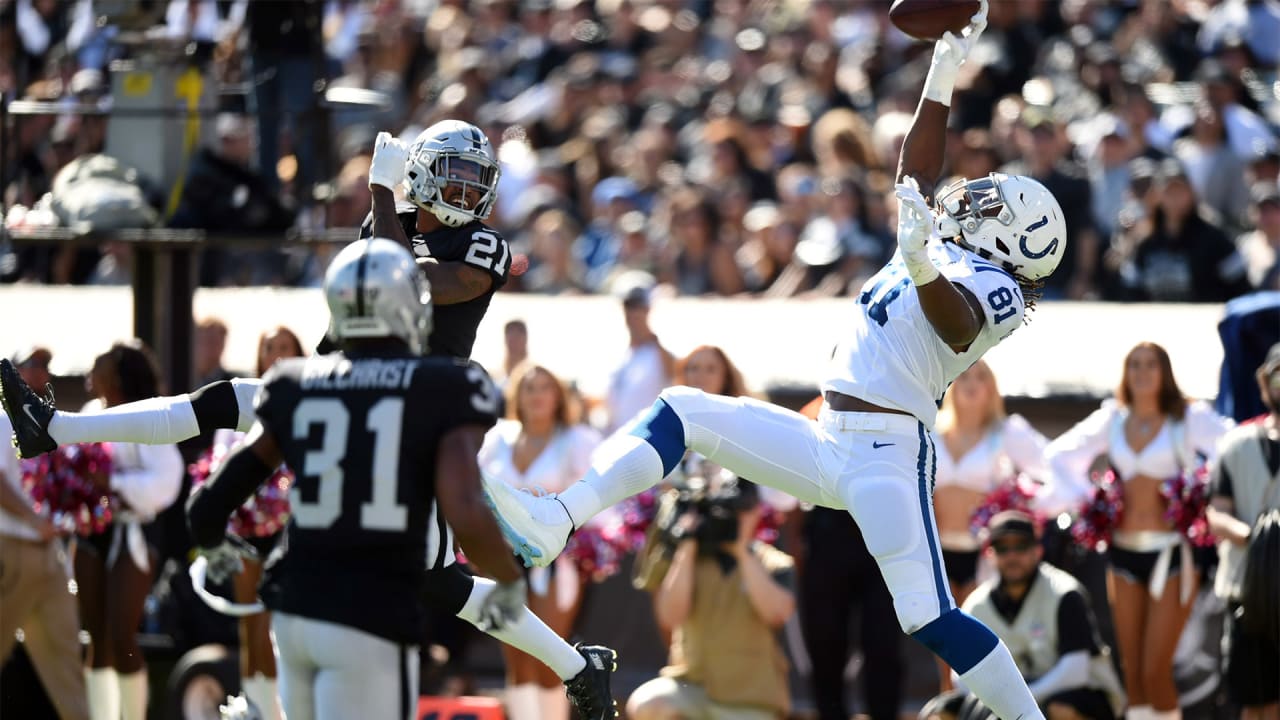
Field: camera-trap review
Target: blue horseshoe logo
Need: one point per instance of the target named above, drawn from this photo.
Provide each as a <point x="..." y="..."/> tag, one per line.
<point x="1051" y="248"/>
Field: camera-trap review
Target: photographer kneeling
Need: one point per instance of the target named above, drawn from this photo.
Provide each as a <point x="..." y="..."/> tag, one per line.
<point x="722" y="598"/>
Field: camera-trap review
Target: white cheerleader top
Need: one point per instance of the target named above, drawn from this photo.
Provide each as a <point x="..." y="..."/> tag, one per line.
<point x="1008" y="448"/>
<point x="1176" y="446"/>
<point x="563" y="462"/>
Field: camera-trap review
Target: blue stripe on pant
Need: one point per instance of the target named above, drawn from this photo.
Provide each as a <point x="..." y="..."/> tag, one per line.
<point x="925" y="473"/>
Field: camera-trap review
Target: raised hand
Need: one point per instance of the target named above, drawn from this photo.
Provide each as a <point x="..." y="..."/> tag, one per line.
<point x="390" y="155"/>
<point x="957" y="47"/>
<point x="915" y="226"/>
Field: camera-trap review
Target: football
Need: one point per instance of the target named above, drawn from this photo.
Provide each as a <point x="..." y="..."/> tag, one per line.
<point x="929" y="19"/>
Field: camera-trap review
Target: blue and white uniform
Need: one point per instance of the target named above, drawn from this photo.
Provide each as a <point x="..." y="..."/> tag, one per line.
<point x="878" y="466"/>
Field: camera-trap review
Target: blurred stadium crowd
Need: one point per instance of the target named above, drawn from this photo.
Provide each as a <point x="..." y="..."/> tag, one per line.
<point x="724" y="146"/>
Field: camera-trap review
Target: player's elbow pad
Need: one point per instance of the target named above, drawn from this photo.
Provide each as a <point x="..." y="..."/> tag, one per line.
<point x="228" y="487"/>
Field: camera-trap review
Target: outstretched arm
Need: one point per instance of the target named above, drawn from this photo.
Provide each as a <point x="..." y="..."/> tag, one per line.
<point x="953" y="312"/>
<point x="213" y="502"/>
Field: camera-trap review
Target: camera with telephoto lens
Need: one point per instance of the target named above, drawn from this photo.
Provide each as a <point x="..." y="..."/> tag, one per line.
<point x="717" y="510"/>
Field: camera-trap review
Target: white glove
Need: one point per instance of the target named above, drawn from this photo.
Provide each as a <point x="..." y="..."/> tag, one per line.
<point x="502" y="606"/>
<point x="915" y="225"/>
<point x="949" y="54"/>
<point x="224" y="561"/>
<point x="390" y="155"/>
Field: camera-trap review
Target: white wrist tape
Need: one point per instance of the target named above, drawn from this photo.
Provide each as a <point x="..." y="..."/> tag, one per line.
<point x="920" y="267"/>
<point x="941" y="80"/>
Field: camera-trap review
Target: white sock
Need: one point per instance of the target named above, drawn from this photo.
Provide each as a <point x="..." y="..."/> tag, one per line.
<point x="154" y="421"/>
<point x="522" y="702"/>
<point x="621" y="466"/>
<point x="103" y="689"/>
<point x="261" y="691"/>
<point x="133" y="695"/>
<point x="1174" y="714"/>
<point x="553" y="703"/>
<point x="998" y="684"/>
<point x="528" y="634"/>
<point x="1138" y="712"/>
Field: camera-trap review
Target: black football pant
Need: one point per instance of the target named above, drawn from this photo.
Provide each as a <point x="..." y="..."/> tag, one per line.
<point x="840" y="578"/>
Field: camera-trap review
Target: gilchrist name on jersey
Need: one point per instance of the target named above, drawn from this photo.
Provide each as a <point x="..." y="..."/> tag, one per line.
<point x="366" y="374"/>
<point x="361" y="436"/>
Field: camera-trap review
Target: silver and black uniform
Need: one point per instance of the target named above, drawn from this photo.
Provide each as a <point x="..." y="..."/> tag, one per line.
<point x="476" y="244"/>
<point x="360" y="434"/>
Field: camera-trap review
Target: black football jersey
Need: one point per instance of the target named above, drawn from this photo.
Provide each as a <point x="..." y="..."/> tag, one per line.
<point x="361" y="434"/>
<point x="453" y="331"/>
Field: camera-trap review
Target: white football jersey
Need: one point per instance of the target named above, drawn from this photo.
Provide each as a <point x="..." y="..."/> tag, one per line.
<point x="891" y="356"/>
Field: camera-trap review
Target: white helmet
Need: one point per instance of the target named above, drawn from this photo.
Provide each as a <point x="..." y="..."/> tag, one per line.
<point x="375" y="290"/>
<point x="1008" y="218"/>
<point x="453" y="153"/>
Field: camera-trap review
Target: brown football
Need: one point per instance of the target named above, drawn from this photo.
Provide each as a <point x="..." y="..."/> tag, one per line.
<point x="928" y="19"/>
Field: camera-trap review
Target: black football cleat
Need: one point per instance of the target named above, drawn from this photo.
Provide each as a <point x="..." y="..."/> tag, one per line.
<point x="589" y="690"/>
<point x="29" y="413"/>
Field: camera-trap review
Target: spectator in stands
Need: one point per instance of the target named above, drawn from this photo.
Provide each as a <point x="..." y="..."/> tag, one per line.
<point x="698" y="261"/>
<point x="1044" y="616"/>
<point x="645" y="368"/>
<point x="1183" y="257"/>
<point x="1108" y="168"/>
<point x="1245" y="488"/>
<point x="1215" y="173"/>
<point x="223" y="193"/>
<point x="722" y="596"/>
<point x="1043" y="157"/>
<point x="115" y="568"/>
<point x="1261" y="247"/>
<point x="287" y="55"/>
<point x="515" y="344"/>
<point x="209" y="344"/>
<point x="33" y="575"/>
<point x="555" y="268"/>
<point x="540" y="446"/>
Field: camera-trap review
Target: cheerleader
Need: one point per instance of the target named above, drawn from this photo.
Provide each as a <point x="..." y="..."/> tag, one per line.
<point x="979" y="448"/>
<point x="115" y="568"/>
<point x="1149" y="433"/>
<point x="540" y="447"/>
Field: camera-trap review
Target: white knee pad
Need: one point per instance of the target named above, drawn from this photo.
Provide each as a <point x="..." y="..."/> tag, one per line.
<point x="889" y="513"/>
<point x="693" y="406"/>
<point x="246" y="390"/>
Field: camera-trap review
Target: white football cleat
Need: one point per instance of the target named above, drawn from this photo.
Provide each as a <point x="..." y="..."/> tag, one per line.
<point x="537" y="526"/>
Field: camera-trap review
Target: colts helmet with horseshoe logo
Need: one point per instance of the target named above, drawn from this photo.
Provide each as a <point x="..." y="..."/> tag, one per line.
<point x="1010" y="219"/>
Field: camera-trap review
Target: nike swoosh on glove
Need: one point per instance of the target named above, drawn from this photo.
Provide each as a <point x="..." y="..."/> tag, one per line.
<point x="390" y="156"/>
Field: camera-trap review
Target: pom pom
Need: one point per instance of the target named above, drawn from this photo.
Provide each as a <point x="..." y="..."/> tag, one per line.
<point x="266" y="512"/>
<point x="1014" y="494"/>
<point x="60" y="487"/>
<point x="1187" y="499"/>
<point x="1099" y="515"/>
